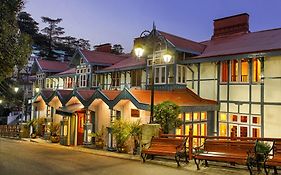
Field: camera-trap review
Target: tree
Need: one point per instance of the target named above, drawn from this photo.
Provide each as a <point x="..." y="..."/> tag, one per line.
<point x="27" y="24"/>
<point x="15" y="47"/>
<point x="52" y="31"/>
<point x="166" y="114"/>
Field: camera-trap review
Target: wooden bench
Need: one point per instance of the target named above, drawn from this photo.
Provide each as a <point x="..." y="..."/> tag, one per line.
<point x="231" y="151"/>
<point x="273" y="159"/>
<point x="166" y="147"/>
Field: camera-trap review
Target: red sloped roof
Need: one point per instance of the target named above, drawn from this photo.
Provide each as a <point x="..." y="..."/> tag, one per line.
<point x="101" y="57"/>
<point x="86" y="94"/>
<point x="183" y="43"/>
<point x="111" y="94"/>
<point x="47" y="93"/>
<point x="64" y="93"/>
<point x="126" y="64"/>
<point x="182" y="97"/>
<point x="68" y="71"/>
<point x="53" y="66"/>
<point x="266" y="40"/>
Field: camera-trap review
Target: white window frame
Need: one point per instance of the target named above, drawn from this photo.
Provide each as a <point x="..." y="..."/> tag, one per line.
<point x="160" y="74"/>
<point x="183" y="70"/>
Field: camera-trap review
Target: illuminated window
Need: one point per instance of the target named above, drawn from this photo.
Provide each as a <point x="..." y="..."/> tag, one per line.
<point x="188" y="117"/>
<point x="187" y="127"/>
<point x="256" y="70"/>
<point x="244" y="131"/>
<point x="180" y="116"/>
<point x="223" y="117"/>
<point x="233" y="118"/>
<point x="234" y="70"/>
<point x="244" y="119"/>
<point x="196" y="116"/>
<point x="223" y="129"/>
<point x="256" y="120"/>
<point x="115" y="79"/>
<point x="203" y="129"/>
<point x="179" y="131"/>
<point x="244" y="70"/>
<point x="224" y="72"/>
<point x="203" y="116"/>
<point x="256" y="132"/>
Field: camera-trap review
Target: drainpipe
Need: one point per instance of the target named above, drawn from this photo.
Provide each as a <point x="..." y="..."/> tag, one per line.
<point x="192" y="75"/>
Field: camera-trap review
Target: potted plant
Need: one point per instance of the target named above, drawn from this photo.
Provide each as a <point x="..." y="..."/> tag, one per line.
<point x="121" y="131"/>
<point x="32" y="125"/>
<point x="166" y="114"/>
<point x="55" y="129"/>
<point x="135" y="130"/>
<point x="99" y="138"/>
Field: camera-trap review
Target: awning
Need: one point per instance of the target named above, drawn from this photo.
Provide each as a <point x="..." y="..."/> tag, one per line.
<point x="70" y="109"/>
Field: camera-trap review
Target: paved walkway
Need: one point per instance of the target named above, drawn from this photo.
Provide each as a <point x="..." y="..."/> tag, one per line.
<point x="213" y="169"/>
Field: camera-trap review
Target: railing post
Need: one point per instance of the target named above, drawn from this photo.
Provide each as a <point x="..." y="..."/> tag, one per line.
<point x="190" y="143"/>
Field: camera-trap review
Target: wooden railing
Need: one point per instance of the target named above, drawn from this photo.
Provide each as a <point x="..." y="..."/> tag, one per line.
<point x="233" y="136"/>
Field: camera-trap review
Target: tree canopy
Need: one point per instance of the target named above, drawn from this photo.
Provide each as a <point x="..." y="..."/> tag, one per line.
<point x="166" y="114"/>
<point x="15" y="46"/>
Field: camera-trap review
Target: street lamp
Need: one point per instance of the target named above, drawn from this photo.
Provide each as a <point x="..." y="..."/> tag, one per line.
<point x="16" y="89"/>
<point x="139" y="50"/>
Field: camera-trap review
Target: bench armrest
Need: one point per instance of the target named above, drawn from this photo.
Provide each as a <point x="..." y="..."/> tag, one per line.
<point x="145" y="144"/>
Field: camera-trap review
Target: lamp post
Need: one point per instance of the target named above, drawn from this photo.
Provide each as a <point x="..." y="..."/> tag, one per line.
<point x="155" y="39"/>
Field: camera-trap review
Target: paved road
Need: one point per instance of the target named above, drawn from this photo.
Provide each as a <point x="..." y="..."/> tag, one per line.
<point x="25" y="158"/>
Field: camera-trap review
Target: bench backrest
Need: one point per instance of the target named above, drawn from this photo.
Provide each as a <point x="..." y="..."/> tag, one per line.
<point x="277" y="148"/>
<point x="228" y="146"/>
<point x="167" y="143"/>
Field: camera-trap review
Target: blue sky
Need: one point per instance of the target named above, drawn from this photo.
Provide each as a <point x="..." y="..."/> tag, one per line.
<point x="120" y="21"/>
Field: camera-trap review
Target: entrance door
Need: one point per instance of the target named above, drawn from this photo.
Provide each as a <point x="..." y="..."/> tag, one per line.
<point x="80" y="128"/>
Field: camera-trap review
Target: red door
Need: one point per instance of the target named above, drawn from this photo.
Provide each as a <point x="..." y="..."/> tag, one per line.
<point x="80" y="128"/>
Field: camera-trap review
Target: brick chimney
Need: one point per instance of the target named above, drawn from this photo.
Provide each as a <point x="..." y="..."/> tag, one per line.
<point x="231" y="25"/>
<point x="103" y="47"/>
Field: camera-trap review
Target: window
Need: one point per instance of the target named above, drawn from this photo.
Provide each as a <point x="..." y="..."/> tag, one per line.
<point x="83" y="80"/>
<point x="240" y="124"/>
<point x="115" y="79"/>
<point x="234" y="70"/>
<point x="68" y="82"/>
<point x="49" y="83"/>
<point x="136" y="77"/>
<point x="239" y="71"/>
<point x="256" y="70"/>
<point x="181" y="74"/>
<point x="244" y="70"/>
<point x="97" y="80"/>
<point x="224" y="71"/>
<point x="160" y="75"/>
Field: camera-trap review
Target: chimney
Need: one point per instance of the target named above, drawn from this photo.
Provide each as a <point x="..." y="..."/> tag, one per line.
<point x="103" y="47"/>
<point x="231" y="25"/>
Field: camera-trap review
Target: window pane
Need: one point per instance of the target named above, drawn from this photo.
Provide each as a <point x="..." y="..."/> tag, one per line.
<point x="157" y="71"/>
<point x="223" y="117"/>
<point x="188" y="117"/>
<point x="203" y="129"/>
<point x="243" y="131"/>
<point x="256" y="132"/>
<point x="179" y="74"/>
<point x="244" y="119"/>
<point x="233" y="118"/>
<point x="233" y="128"/>
<point x="244" y="70"/>
<point x="179" y="131"/>
<point x="234" y="70"/>
<point x="223" y="129"/>
<point x="256" y="120"/>
<point x="187" y="129"/>
<point x="224" y="72"/>
<point x="203" y="115"/>
<point x="256" y="70"/>
<point x="163" y="75"/>
<point x="195" y="116"/>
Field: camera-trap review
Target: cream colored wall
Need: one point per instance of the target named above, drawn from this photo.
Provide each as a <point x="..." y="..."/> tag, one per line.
<point x="272" y="121"/>
<point x="208" y="88"/>
<point x="102" y="116"/>
<point x="238" y="93"/>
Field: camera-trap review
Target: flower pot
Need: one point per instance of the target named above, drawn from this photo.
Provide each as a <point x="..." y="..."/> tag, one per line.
<point x="55" y="139"/>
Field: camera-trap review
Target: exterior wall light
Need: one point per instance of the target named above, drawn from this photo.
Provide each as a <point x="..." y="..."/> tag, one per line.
<point x="16" y="89"/>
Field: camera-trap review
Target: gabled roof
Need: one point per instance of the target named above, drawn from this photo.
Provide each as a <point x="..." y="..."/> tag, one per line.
<point x="52" y="66"/>
<point x="181" y="97"/>
<point x="261" y="41"/>
<point x="184" y="44"/>
<point x="101" y="57"/>
<point x="111" y="94"/>
<point x="126" y="64"/>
